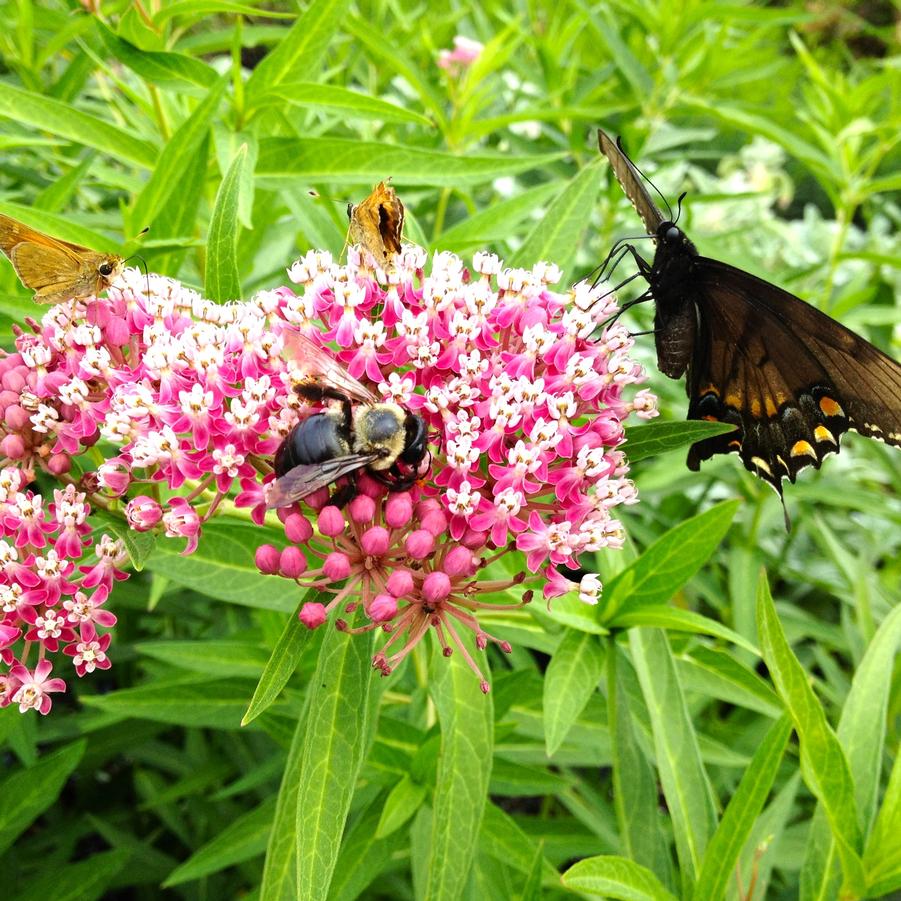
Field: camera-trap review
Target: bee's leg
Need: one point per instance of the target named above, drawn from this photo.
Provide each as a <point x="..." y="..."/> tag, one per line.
<point x="346" y="493"/>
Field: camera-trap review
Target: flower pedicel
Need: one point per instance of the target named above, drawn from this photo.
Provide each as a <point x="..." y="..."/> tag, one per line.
<point x="188" y="401"/>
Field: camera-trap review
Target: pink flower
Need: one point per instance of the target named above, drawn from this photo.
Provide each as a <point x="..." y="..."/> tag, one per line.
<point x="143" y="513"/>
<point x="33" y="691"/>
<point x="466" y="51"/>
<point x="89" y="653"/>
<point x="181" y="521"/>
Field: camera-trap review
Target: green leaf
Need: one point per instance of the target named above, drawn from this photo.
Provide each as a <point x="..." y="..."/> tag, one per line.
<point x="643" y="441"/>
<point x="209" y="656"/>
<point x="65" y="121"/>
<point x="605" y="26"/>
<point x="199" y="8"/>
<point x="557" y="236"/>
<point x="503" y="839"/>
<point x="679" y="620"/>
<point x="861" y="732"/>
<point x="223" y="566"/>
<point x="685" y="785"/>
<point x="217" y="704"/>
<point x="739" y="817"/>
<point x="342" y="161"/>
<point x="883" y="854"/>
<point x="228" y="143"/>
<point x="169" y="71"/>
<point x="823" y="762"/>
<point x="464" y="767"/>
<point x="299" y="52"/>
<point x="402" y="803"/>
<point x="572" y="678"/>
<point x="341" y="717"/>
<point x="280" y="867"/>
<point x="138" y="545"/>
<point x="635" y="793"/>
<point x="615" y="877"/>
<point x="282" y="662"/>
<point x="349" y="104"/>
<point x="222" y="279"/>
<point x="26" y="794"/>
<point x="242" y="839"/>
<point x="717" y="674"/>
<point x="79" y="880"/>
<point x="668" y="563"/>
<point x="363" y="856"/>
<point x="166" y="181"/>
<point x="496" y="222"/>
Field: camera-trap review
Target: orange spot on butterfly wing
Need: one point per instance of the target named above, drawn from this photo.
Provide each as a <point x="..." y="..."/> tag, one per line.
<point x="830" y="407"/>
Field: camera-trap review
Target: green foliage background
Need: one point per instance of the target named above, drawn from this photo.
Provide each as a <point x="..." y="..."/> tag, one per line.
<point x="642" y="749"/>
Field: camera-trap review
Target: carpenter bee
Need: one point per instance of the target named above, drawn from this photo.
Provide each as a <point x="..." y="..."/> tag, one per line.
<point x="358" y="432"/>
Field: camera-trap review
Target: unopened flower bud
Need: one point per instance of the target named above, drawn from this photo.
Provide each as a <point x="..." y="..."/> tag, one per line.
<point x="436" y="587"/>
<point x="267" y="559"/>
<point x="292" y="563"/>
<point x="59" y="464"/>
<point x="419" y="544"/>
<point x="400" y="583"/>
<point x="362" y="508"/>
<point x="143" y="513"/>
<point x="312" y="615"/>
<point x="297" y="528"/>
<point x="336" y="567"/>
<point x="459" y="562"/>
<point x="383" y="608"/>
<point x="398" y="509"/>
<point x="375" y="541"/>
<point x="331" y="521"/>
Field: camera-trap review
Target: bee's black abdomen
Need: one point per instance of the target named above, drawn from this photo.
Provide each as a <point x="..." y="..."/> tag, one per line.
<point x="313" y="440"/>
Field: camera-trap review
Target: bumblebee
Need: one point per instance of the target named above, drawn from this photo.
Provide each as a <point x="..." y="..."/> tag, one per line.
<point x="359" y="433"/>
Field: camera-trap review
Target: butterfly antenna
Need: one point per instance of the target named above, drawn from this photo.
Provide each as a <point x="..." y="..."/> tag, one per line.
<point x="682" y="197"/>
<point x="136" y="256"/>
<point x="669" y="209"/>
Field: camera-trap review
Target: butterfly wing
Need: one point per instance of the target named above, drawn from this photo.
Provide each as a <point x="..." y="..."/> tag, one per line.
<point x="303" y="480"/>
<point x="317" y="365"/>
<point x="632" y="183"/>
<point x="377" y="223"/>
<point x="52" y="272"/>
<point x="791" y="379"/>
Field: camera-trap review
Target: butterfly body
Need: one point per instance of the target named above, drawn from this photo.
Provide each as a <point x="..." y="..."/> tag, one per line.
<point x="787" y="376"/>
<point x="56" y="270"/>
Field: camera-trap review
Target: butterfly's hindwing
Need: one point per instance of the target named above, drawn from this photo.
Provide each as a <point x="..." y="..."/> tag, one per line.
<point x="791" y="379"/>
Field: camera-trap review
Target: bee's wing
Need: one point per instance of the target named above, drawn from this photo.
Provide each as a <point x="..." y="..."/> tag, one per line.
<point x="316" y="363"/>
<point x="309" y="477"/>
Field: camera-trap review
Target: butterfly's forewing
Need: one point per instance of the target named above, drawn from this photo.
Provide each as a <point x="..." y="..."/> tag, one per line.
<point x="55" y="270"/>
<point x="790" y="378"/>
<point x="632" y="183"/>
<point x="377" y="223"/>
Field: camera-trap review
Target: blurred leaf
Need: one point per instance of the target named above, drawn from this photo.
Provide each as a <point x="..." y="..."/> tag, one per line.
<point x="643" y="441"/>
<point x="199" y="8"/>
<point x="615" y="877"/>
<point x="823" y="763"/>
<point x="502" y="839"/>
<point x="572" y="678"/>
<point x="298" y="53"/>
<point x="223" y="566"/>
<point x="223" y="281"/>
<point x="350" y="104"/>
<point x="718" y="674"/>
<point x="557" y="235"/>
<point x="242" y="839"/>
<point x="170" y="71"/>
<point x="282" y="662"/>
<point x="59" y="226"/>
<point x="79" y="880"/>
<point x="166" y="181"/>
<point x="216" y="704"/>
<point x="496" y="222"/>
<point x="340" y="161"/>
<point x="738" y="819"/>
<point x="67" y="122"/>
<point x="464" y="767"/>
<point x="219" y="659"/>
<point x="665" y="566"/>
<point x="26" y="794"/>
<point x="685" y="785"/>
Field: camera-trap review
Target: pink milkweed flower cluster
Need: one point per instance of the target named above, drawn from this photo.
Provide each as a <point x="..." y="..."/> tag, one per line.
<point x="186" y="401"/>
<point x="54" y="581"/>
